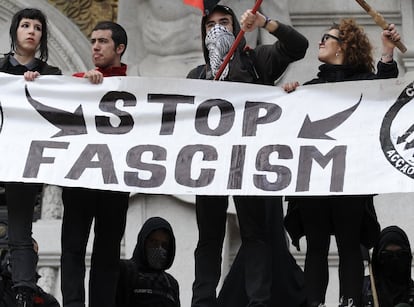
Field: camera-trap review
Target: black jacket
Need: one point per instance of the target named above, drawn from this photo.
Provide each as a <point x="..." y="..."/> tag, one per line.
<point x="40" y="66"/>
<point x="339" y="73"/>
<point x="139" y="284"/>
<point x="370" y="226"/>
<point x="262" y="65"/>
<point x="8" y="294"/>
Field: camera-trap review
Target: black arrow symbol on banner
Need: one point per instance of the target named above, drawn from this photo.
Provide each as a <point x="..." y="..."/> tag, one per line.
<point x="319" y="128"/>
<point x="68" y="123"/>
<point x="405" y="136"/>
<point x="409" y="145"/>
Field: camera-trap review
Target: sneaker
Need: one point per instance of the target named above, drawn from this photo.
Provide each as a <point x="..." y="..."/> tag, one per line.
<point x="24" y="297"/>
<point x="346" y="303"/>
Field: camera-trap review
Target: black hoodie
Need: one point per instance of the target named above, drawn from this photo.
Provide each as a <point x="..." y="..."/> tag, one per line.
<point x="396" y="286"/>
<point x="141" y="285"/>
<point x="262" y="65"/>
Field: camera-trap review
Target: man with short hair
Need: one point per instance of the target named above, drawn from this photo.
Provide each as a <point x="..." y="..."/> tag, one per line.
<point x="82" y="206"/>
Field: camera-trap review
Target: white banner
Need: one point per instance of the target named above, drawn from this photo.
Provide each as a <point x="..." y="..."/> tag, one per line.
<point x="179" y="136"/>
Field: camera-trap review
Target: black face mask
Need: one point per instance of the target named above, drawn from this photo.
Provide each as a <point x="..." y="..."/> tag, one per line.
<point x="157" y="257"/>
<point x="395" y="265"/>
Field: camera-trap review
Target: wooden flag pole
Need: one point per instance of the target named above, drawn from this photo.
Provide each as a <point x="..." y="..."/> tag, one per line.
<point x="373" y="286"/>
<point x="379" y="20"/>
<point x="235" y="44"/>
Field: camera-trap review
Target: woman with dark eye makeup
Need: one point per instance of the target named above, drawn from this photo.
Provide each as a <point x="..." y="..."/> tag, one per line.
<point x="28" y="35"/>
<point x="346" y="54"/>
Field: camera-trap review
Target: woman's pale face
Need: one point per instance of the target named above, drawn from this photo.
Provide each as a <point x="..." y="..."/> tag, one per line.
<point x="29" y="34"/>
<point x="330" y="50"/>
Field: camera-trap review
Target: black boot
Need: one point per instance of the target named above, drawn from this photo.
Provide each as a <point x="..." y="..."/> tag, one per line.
<point x="24" y="297"/>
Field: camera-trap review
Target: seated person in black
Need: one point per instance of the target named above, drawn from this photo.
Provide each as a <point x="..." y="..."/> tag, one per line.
<point x="7" y="294"/>
<point x="391" y="267"/>
<point x="143" y="281"/>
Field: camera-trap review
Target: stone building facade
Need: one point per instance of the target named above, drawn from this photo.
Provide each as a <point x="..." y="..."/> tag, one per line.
<point x="164" y="40"/>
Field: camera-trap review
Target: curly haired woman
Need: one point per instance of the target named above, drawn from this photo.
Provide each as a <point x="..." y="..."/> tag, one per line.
<point x="346" y="54"/>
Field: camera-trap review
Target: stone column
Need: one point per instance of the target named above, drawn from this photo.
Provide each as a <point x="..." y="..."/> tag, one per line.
<point x="164" y="37"/>
<point x="47" y="230"/>
<point x="48" y="279"/>
<point x="52" y="205"/>
<point x="407" y="11"/>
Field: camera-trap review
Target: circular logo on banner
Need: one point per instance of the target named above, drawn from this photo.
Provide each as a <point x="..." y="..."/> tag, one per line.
<point x="397" y="133"/>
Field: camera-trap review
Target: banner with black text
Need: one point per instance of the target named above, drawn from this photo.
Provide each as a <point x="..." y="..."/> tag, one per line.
<point x="180" y="136"/>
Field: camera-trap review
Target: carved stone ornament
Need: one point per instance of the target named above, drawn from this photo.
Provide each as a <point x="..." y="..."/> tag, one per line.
<point x="87" y="13"/>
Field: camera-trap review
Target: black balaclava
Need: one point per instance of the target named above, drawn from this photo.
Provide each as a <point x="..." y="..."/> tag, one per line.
<point x="392" y="271"/>
<point x="152" y="260"/>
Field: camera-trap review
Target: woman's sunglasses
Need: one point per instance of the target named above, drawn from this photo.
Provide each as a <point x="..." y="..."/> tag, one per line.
<point x="327" y="36"/>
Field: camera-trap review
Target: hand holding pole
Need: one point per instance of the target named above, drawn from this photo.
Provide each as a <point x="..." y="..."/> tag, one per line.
<point x="235" y="44"/>
<point x="379" y="20"/>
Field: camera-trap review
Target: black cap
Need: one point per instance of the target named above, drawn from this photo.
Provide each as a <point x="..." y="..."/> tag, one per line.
<point x="209" y="6"/>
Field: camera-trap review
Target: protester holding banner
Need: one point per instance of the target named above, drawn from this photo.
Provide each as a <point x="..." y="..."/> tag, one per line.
<point x="81" y="205"/>
<point x="28" y="34"/>
<point x="262" y="65"/>
<point x="347" y="55"/>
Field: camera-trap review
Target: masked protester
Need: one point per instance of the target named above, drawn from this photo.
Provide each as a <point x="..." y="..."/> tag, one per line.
<point x="262" y="65"/>
<point x="391" y="267"/>
<point x="143" y="281"/>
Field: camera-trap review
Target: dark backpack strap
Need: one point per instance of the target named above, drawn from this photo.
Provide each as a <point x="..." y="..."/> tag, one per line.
<point x="202" y="71"/>
<point x="250" y="59"/>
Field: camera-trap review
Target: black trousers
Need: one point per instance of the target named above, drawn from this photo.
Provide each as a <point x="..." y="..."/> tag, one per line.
<point x="109" y="210"/>
<point x="341" y="216"/>
<point x="20" y="199"/>
<point x="287" y="277"/>
<point x="211" y="212"/>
